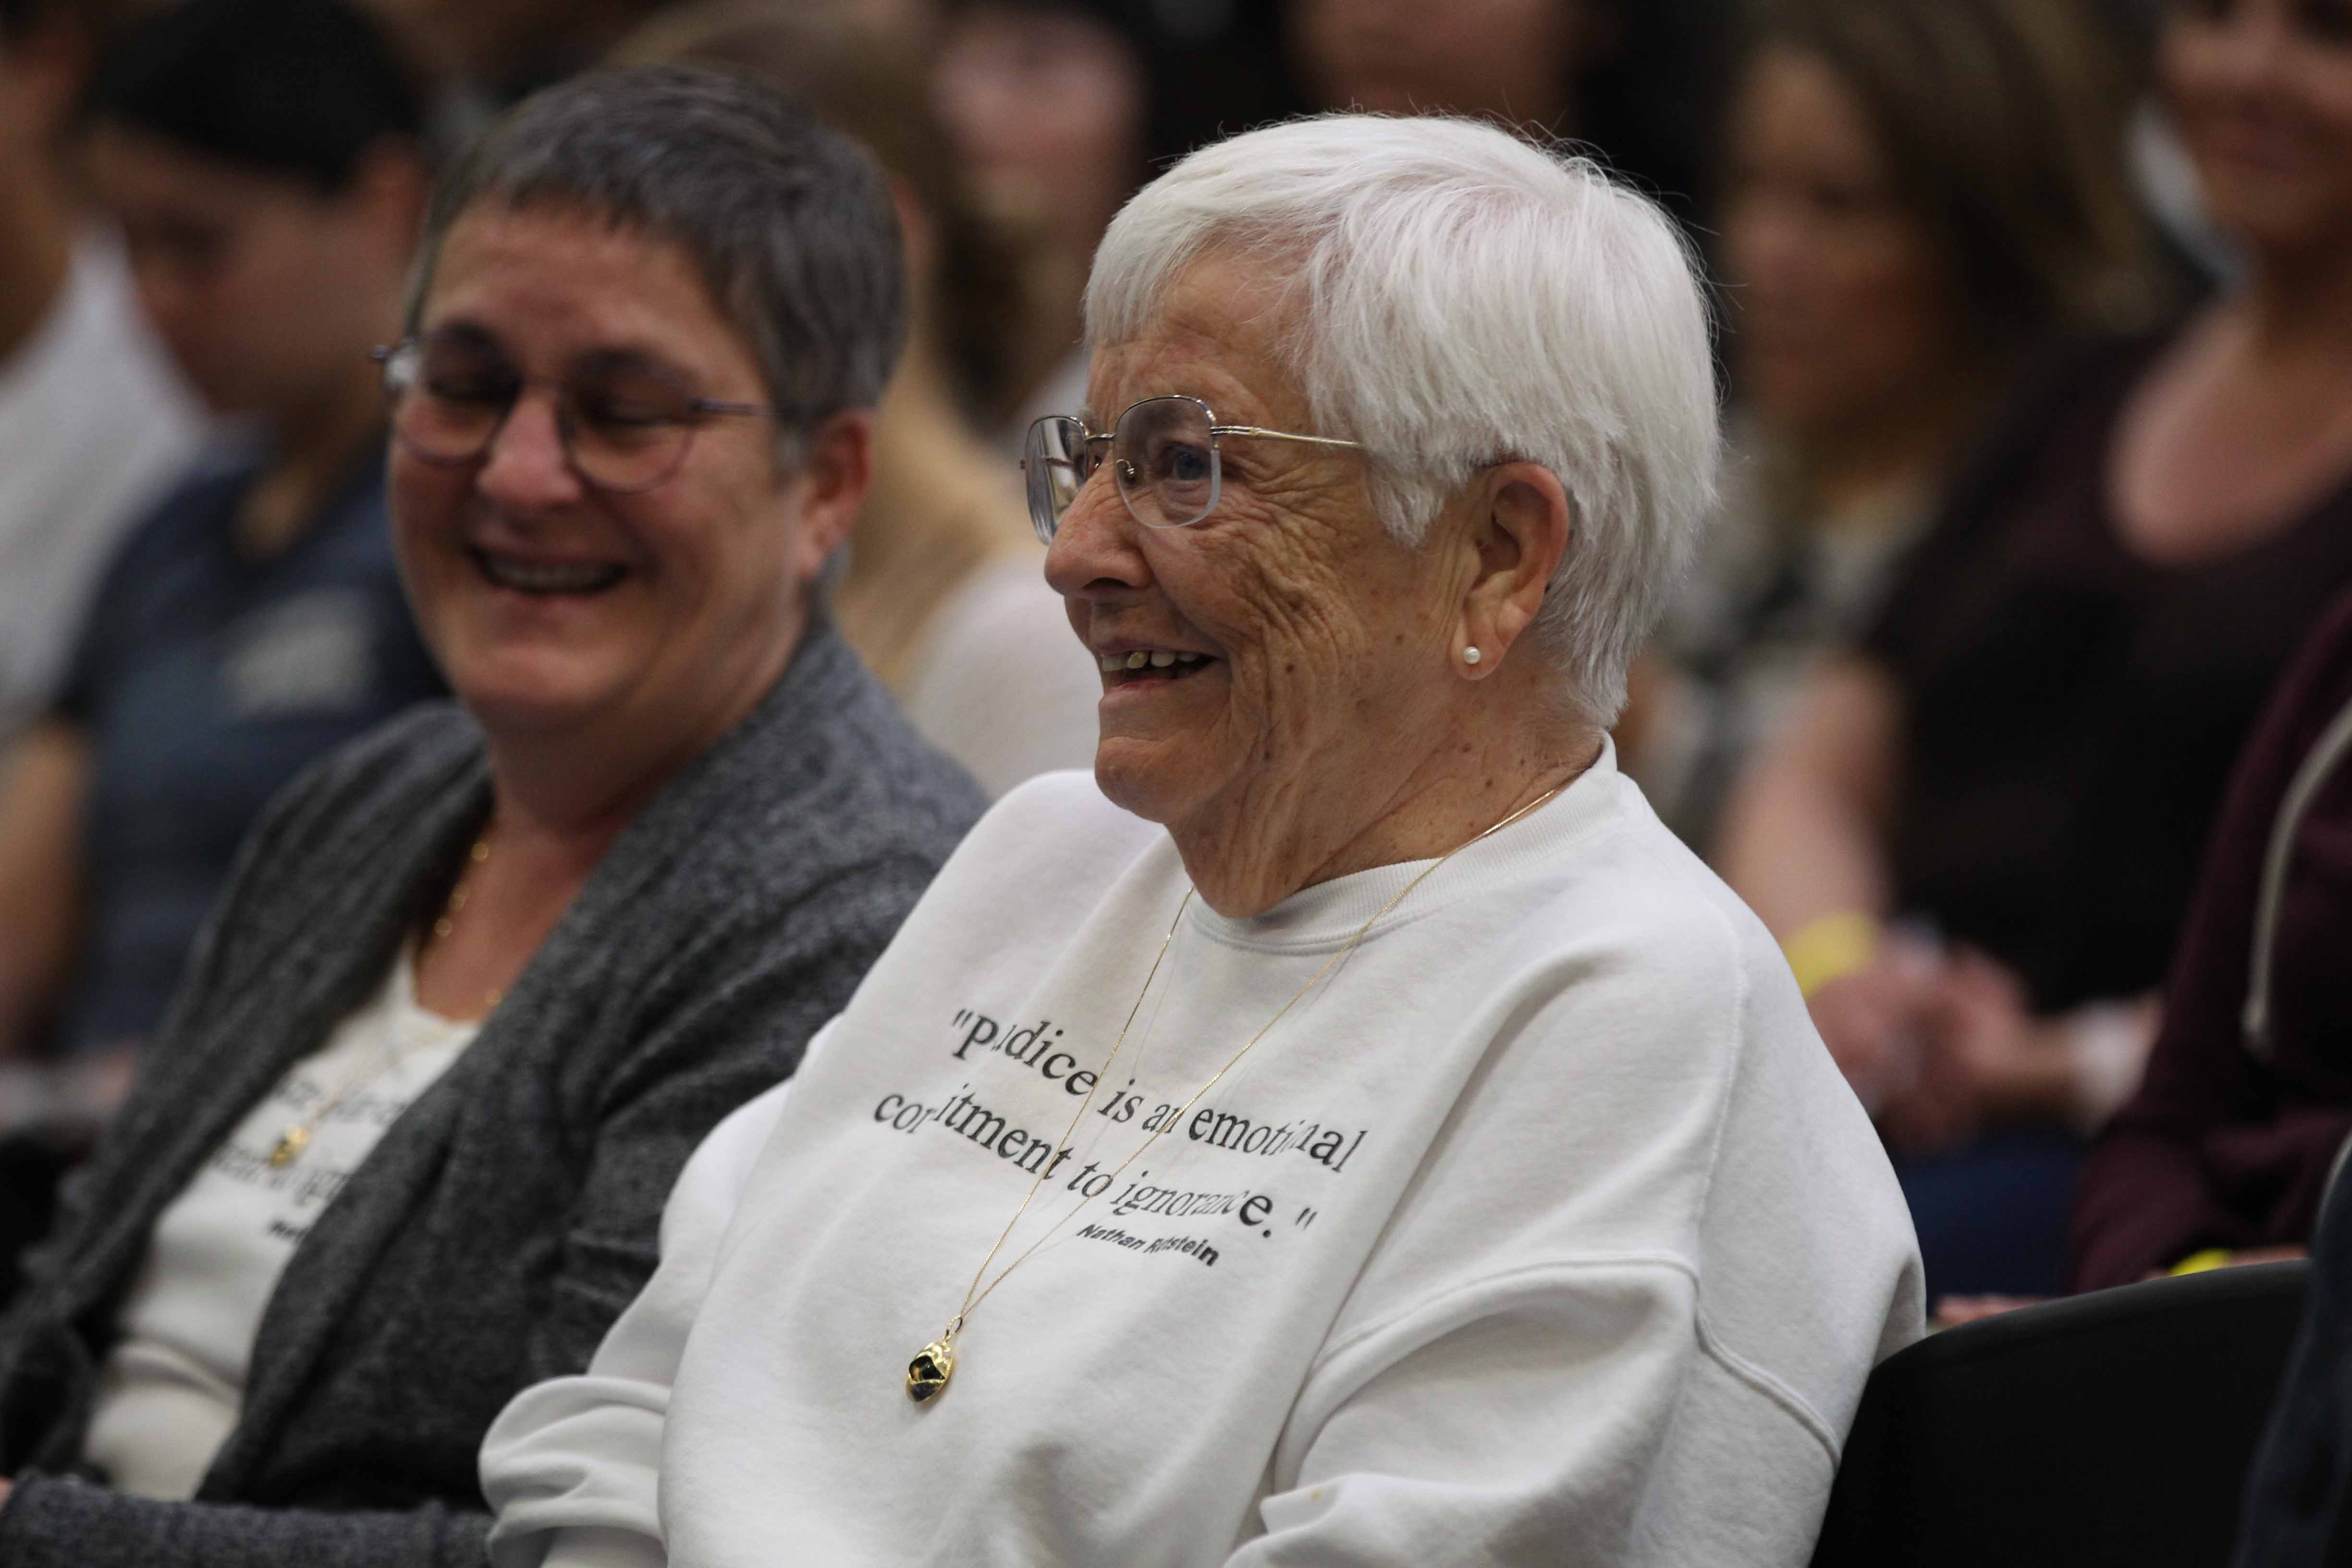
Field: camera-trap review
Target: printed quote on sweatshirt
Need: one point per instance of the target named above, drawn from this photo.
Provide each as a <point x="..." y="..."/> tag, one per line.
<point x="1085" y="1168"/>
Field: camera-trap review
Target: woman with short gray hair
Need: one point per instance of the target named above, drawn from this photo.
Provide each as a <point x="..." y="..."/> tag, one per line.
<point x="484" y="980"/>
<point x="1350" y="1128"/>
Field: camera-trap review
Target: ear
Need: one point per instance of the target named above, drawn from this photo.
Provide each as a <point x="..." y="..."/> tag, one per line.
<point x="829" y="488"/>
<point x="1521" y="526"/>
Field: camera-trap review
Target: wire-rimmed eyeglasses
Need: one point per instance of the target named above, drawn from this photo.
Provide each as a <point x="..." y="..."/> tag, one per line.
<point x="626" y="423"/>
<point x="1163" y="454"/>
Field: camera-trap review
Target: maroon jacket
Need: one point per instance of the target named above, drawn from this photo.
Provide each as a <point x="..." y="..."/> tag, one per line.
<point x="2222" y="1148"/>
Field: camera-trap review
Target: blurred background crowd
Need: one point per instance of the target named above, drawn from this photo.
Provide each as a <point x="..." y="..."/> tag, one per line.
<point x="2035" y="328"/>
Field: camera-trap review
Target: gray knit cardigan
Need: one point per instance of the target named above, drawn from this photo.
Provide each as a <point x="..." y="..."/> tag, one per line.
<point x="503" y="1222"/>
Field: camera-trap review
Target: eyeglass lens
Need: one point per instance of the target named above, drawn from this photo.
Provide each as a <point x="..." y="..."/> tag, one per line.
<point x="1055" y="463"/>
<point x="626" y="425"/>
<point x="1163" y="459"/>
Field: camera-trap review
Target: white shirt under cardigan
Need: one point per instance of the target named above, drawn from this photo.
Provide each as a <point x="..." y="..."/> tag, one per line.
<point x="170" y="1391"/>
<point x="1543" y="1231"/>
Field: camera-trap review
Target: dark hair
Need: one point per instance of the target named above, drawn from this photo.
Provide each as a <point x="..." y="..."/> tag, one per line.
<point x="2003" y="123"/>
<point x="20" y="18"/>
<point x="100" y="21"/>
<point x="788" y="221"/>
<point x="298" y="87"/>
<point x="1647" y="104"/>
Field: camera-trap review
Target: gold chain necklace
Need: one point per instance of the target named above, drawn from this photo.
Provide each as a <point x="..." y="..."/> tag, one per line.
<point x="934" y="1364"/>
<point x="298" y="1135"/>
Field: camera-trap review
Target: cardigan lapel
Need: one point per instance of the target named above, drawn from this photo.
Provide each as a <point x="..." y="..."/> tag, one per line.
<point x="304" y="978"/>
<point x="337" y="1258"/>
<point x="331" y="1260"/>
<point x="324" y="968"/>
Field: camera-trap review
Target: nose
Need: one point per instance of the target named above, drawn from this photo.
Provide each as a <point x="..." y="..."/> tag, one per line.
<point x="526" y="469"/>
<point x="1770" y="240"/>
<point x="1095" y="552"/>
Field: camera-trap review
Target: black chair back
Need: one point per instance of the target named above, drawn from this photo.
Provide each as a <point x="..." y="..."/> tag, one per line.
<point x="2111" y="1428"/>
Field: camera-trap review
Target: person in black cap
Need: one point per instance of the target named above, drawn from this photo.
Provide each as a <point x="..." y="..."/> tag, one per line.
<point x="262" y="157"/>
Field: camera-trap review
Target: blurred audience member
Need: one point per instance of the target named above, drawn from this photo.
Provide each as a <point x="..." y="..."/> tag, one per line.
<point x="485" y="978"/>
<point x="260" y="155"/>
<point x="1057" y="110"/>
<point x="1634" y="79"/>
<point x="2242" y="1120"/>
<point x="93" y="422"/>
<point x="1924" y="196"/>
<point x="2018" y="772"/>
<point x="944" y="596"/>
<point x="253" y="619"/>
<point x="1048" y="106"/>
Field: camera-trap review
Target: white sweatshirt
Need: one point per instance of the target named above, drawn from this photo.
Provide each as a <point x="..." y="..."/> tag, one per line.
<point x="1543" y="1230"/>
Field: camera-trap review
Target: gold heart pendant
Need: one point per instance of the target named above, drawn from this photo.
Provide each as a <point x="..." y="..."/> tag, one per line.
<point x="928" y="1373"/>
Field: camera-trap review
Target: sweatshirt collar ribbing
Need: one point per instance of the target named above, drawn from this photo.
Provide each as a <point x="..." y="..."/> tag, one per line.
<point x="1329" y="914"/>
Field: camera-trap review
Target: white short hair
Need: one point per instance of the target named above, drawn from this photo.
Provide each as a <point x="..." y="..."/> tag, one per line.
<point x="1461" y="296"/>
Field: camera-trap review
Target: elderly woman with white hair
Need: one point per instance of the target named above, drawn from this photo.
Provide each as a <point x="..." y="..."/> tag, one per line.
<point x="1349" y="1127"/>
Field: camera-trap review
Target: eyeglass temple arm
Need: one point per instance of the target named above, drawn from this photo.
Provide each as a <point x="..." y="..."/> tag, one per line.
<point x="1281" y="435"/>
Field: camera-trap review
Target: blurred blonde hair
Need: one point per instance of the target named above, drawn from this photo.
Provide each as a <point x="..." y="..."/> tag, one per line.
<point x="2003" y="121"/>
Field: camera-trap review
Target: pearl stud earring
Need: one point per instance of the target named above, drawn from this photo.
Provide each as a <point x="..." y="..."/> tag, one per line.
<point x="1471" y="655"/>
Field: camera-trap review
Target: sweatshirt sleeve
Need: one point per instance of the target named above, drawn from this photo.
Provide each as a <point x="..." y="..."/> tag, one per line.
<point x="572" y="1465"/>
<point x="1460" y="1428"/>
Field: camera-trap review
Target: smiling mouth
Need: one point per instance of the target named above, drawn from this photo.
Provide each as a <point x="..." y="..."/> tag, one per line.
<point x="547" y="577"/>
<point x="1150" y="664"/>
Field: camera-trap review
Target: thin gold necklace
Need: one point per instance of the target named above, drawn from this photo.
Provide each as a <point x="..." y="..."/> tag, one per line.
<point x="298" y="1135"/>
<point x="934" y="1364"/>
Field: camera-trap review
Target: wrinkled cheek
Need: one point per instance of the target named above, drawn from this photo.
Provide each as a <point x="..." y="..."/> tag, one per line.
<point x="1272" y="717"/>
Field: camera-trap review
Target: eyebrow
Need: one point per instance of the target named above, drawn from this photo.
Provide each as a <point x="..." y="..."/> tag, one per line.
<point x="612" y="357"/>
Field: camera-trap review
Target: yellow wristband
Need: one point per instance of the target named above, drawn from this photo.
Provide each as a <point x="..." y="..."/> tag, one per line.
<point x="1831" y="948"/>
<point x="2198" y="1262"/>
